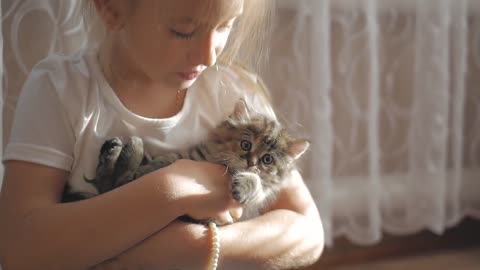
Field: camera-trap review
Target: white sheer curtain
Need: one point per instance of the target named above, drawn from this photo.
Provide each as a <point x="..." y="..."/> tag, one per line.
<point x="386" y="90"/>
<point x="388" y="93"/>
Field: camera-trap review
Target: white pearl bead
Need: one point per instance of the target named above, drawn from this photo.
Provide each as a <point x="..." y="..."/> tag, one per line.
<point x="213" y="264"/>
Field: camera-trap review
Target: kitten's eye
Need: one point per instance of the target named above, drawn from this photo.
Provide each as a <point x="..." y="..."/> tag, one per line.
<point x="267" y="159"/>
<point x="246" y="145"/>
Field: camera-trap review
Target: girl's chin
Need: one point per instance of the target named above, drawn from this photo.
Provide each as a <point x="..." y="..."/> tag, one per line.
<point x="177" y="82"/>
<point x="186" y="83"/>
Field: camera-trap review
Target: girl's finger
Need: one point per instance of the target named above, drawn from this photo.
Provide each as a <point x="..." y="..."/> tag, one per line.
<point x="224" y="218"/>
<point x="236" y="213"/>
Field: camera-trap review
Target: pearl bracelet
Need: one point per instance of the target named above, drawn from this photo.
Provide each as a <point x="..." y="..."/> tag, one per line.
<point x="213" y="264"/>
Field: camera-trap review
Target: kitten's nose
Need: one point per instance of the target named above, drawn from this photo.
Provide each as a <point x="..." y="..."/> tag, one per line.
<point x="252" y="162"/>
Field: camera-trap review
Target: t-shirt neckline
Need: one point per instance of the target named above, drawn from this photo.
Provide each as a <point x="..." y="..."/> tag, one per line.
<point x="110" y="95"/>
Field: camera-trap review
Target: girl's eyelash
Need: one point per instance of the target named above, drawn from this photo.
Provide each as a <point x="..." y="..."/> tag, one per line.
<point x="182" y="35"/>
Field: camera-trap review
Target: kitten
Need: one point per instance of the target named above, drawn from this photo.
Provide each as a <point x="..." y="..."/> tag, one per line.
<point x="255" y="149"/>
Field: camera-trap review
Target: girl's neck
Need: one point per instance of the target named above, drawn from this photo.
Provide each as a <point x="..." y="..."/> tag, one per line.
<point x="120" y="71"/>
<point x="135" y="89"/>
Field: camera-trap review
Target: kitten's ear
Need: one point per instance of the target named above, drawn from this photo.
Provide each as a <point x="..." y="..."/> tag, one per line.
<point x="296" y="148"/>
<point x="241" y="110"/>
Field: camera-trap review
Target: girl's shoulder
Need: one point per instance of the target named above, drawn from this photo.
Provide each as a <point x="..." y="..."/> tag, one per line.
<point x="66" y="75"/>
<point x="64" y="82"/>
<point x="59" y="67"/>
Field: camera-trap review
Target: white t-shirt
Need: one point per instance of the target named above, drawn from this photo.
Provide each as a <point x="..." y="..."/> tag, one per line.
<point x="67" y="110"/>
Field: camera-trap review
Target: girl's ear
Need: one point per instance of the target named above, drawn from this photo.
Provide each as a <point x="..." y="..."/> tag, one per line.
<point x="113" y="13"/>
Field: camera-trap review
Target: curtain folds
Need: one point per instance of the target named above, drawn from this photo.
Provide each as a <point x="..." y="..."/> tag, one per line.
<point x="385" y="90"/>
<point x="388" y="93"/>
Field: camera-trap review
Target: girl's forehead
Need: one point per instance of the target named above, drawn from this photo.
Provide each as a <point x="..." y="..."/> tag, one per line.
<point x="200" y="11"/>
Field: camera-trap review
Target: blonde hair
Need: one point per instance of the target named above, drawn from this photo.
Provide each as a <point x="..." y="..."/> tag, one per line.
<point x="249" y="40"/>
<point x="248" y="48"/>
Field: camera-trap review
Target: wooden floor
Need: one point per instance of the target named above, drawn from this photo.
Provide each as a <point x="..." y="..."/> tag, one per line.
<point x="456" y="249"/>
<point x="464" y="259"/>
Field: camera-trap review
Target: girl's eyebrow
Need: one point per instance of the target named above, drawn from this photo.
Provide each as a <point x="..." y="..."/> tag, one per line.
<point x="183" y="20"/>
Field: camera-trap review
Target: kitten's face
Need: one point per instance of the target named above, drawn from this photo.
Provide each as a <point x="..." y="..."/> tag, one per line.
<point x="258" y="144"/>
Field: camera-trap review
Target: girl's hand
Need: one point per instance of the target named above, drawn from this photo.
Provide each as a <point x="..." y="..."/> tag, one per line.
<point x="202" y="190"/>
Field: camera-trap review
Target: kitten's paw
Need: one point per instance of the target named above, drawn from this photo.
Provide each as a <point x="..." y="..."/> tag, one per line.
<point x="110" y="145"/>
<point x="245" y="187"/>
<point x="109" y="154"/>
<point x="131" y="155"/>
<point x="129" y="161"/>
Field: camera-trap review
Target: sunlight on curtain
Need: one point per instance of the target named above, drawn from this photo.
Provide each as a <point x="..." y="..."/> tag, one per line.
<point x="386" y="90"/>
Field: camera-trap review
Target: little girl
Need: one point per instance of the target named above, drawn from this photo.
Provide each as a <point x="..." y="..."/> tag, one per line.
<point x="166" y="71"/>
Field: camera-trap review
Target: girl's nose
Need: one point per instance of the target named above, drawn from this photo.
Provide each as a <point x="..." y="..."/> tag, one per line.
<point x="204" y="51"/>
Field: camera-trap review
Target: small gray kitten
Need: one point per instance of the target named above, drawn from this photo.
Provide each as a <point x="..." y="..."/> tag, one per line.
<point x="256" y="151"/>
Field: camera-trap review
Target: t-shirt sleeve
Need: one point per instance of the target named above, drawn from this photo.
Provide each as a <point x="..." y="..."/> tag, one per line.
<point x="41" y="132"/>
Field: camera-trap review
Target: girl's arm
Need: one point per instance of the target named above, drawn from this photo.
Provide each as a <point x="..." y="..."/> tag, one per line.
<point x="289" y="235"/>
<point x="38" y="232"/>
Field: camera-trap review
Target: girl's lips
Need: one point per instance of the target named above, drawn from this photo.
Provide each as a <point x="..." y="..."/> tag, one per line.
<point x="189" y="75"/>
